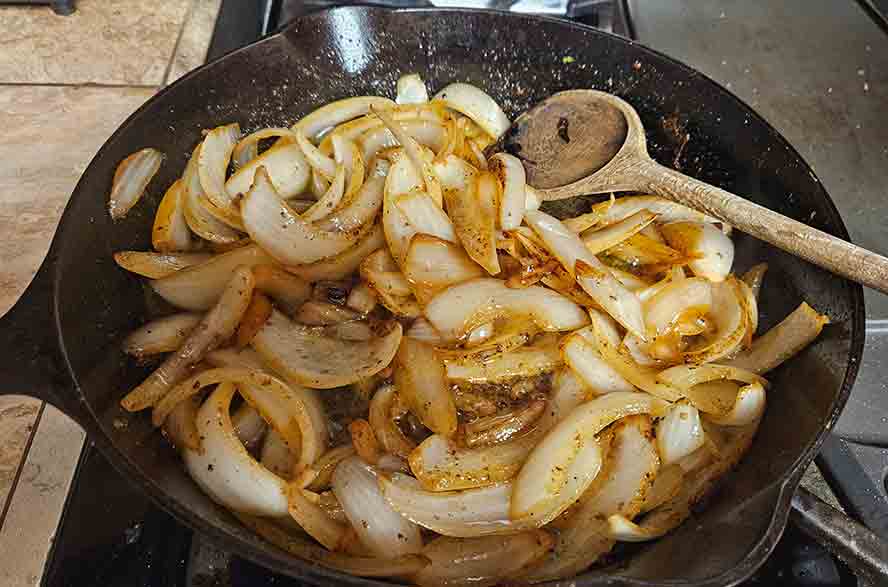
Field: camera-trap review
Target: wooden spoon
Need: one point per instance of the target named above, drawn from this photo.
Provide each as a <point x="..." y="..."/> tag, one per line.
<point x="589" y="142"/>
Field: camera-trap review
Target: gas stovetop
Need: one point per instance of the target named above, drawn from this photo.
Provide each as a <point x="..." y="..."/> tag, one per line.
<point x="120" y="539"/>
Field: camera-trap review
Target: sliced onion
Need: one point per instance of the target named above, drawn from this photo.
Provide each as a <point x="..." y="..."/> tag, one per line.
<point x="343" y="264"/>
<point x="666" y="485"/>
<point x="748" y="408"/>
<point x="346" y="154"/>
<point x="225" y="470"/>
<point x="630" y="281"/>
<point x="482" y="561"/>
<point x="254" y="317"/>
<point x="425" y="216"/>
<point x="163" y="335"/>
<point x="411" y="90"/>
<point x="514" y="334"/>
<point x="711" y="250"/>
<point x="422" y="384"/>
<point x="430" y="133"/>
<point x="247" y="148"/>
<point x="232" y="357"/>
<point x="212" y="164"/>
<point x="364" y="441"/>
<point x="643" y="378"/>
<point x="532" y="198"/>
<point x="306" y="356"/>
<point x="287" y="289"/>
<point x="335" y="113"/>
<point x="640" y="250"/>
<point x="457" y="310"/>
<point x="687" y="376"/>
<point x="286" y="166"/>
<point x="180" y="428"/>
<point x="415" y="154"/>
<point x="170" y="232"/>
<point x="503" y="427"/>
<point x="638" y="351"/>
<point x="197" y="207"/>
<point x="731" y="323"/>
<point x="387" y="431"/>
<point x="568" y="391"/>
<point x="522" y="362"/>
<point x="319" y="162"/>
<point x="590" y="273"/>
<point x="632" y="465"/>
<point x="567" y="459"/>
<point x="782" y="342"/>
<point x="422" y="330"/>
<point x="156" y="265"/>
<point x="433" y="264"/>
<point x="401" y="179"/>
<point x="477" y="105"/>
<point x="383" y="530"/>
<point x="361" y="298"/>
<point x="461" y="514"/>
<point x="216" y="327"/>
<point x="326" y="464"/>
<point x="199" y="287"/>
<point x="677" y="299"/>
<point x="130" y="180"/>
<point x="392" y="289"/>
<point x="248" y="424"/>
<point x="583" y="358"/>
<point x="621" y="208"/>
<point x="276" y="456"/>
<point x="291" y="240"/>
<point x="313" y="519"/>
<point x="754" y="278"/>
<point x="509" y="170"/>
<point x="611" y="235"/>
<point x="315" y="313"/>
<point x="471" y="199"/>
<point x="679" y="433"/>
<point x="330" y="200"/>
<point x="623" y="529"/>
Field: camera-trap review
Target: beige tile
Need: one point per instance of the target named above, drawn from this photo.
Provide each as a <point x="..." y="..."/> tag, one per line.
<point x="36" y="505"/>
<point x="49" y="136"/>
<point x="191" y="50"/>
<point x="17" y="415"/>
<point x="122" y="42"/>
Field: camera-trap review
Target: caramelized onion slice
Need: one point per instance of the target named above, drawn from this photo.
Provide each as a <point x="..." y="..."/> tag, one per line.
<point x="212" y="164"/>
<point x="170" y="232"/>
<point x="163" y="335"/>
<point x="748" y="407"/>
<point x="457" y="310"/>
<point x="343" y="264"/>
<point x="711" y="250"/>
<point x="156" y="265"/>
<point x="216" y="327"/>
<point x="523" y="362"/>
<point x="509" y="170"/>
<point x="390" y="436"/>
<point x="425" y="216"/>
<point x="130" y="180"/>
<point x="307" y="356"/>
<point x="687" y="376"/>
<point x="599" y="240"/>
<point x="433" y="264"/>
<point x="583" y="358"/>
<point x="335" y="113"/>
<point x="197" y="208"/>
<point x="422" y="384"/>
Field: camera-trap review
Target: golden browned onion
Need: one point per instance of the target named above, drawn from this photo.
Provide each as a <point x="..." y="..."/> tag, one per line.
<point x="422" y="383"/>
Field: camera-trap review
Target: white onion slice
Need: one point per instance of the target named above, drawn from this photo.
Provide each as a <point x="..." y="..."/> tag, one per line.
<point x="415" y="154"/>
<point x="666" y="485"/>
<point x="212" y="164"/>
<point x="289" y="239"/>
<point x="361" y="298"/>
<point x="170" y="232"/>
<point x="679" y="433"/>
<point x="510" y="172"/>
<point x="461" y="514"/>
<point x="731" y="324"/>
<point x="401" y="179"/>
<point x="286" y="167"/>
<point x="247" y="148"/>
<point x="583" y="358"/>
<point x="711" y="250"/>
<point x="430" y="133"/>
<point x="595" y="279"/>
<point x="276" y="456"/>
<point x="433" y="264"/>
<point x="225" y="470"/>
<point x="387" y="431"/>
<point x="383" y="530"/>
<point x="323" y="467"/>
<point x="343" y="264"/>
<point x="613" y="234"/>
<point x="687" y="376"/>
<point x="130" y="180"/>
<point x="215" y="328"/>
<point x="422" y="384"/>
<point x="504" y="426"/>
<point x="199" y="287"/>
<point x="422" y="330"/>
<point x="411" y="90"/>
<point x="156" y="265"/>
<point x="163" y="335"/>
<point x="568" y="458"/>
<point x="197" y="207"/>
<point x="620" y="208"/>
<point x="782" y="342"/>
<point x="314" y="520"/>
<point x="748" y="408"/>
<point x="623" y="529"/>
<point x="522" y="362"/>
<point x="532" y="198"/>
<point x="307" y="356"/>
<point x="330" y="200"/>
<point x="335" y="113"/>
<point x="319" y="162"/>
<point x="425" y="216"/>
<point x="754" y="277"/>
<point x="675" y="301"/>
<point x="477" y="105"/>
<point x="458" y="309"/>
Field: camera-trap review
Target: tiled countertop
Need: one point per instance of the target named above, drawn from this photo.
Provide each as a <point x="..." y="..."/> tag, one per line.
<point x="66" y="83"/>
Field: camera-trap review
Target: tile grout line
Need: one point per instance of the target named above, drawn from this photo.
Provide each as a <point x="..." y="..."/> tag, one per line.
<point x="169" y="66"/>
<point x="21" y="465"/>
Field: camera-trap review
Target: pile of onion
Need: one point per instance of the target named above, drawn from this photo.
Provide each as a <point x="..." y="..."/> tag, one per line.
<point x="531" y="390"/>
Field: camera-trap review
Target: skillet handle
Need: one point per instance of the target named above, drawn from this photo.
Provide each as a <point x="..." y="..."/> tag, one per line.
<point x="31" y="362"/>
<point x="856" y="545"/>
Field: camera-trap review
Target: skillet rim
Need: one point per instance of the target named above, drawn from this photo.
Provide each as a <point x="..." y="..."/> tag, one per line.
<point x="290" y="564"/>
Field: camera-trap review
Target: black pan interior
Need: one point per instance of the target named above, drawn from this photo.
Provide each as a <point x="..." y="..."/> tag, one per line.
<point x="519" y="60"/>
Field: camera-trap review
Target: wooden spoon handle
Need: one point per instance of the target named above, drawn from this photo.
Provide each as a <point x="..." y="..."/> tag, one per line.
<point x="815" y="246"/>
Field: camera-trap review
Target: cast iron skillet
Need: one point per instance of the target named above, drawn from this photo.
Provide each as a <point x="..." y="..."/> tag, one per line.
<point x="61" y="341"/>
